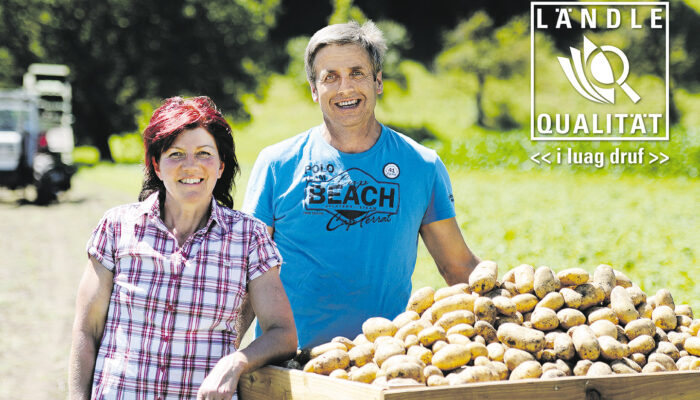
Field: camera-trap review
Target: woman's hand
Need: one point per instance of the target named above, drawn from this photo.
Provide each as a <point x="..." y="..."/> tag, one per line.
<point x="222" y="380"/>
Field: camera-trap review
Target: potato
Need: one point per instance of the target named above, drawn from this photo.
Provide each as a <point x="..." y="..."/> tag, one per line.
<point x="405" y="370"/>
<point x="451" y="356"/>
<point x="514" y="357"/>
<point x="361" y="354"/>
<point x="328" y="362"/>
<point x="382" y="340"/>
<point x="524" y="275"/>
<point x="683" y="363"/>
<point x="642" y="326"/>
<point x="570" y="317"/>
<point x="621" y="303"/>
<point x="360" y="339"/>
<point x="486" y="330"/>
<point x="639" y="358"/>
<point x="546" y="355"/>
<point x="582" y="367"/>
<point x="678" y="338"/>
<point x="553" y="373"/>
<point x="452" y="303"/>
<point x="668" y="349"/>
<point x="435" y="380"/>
<point x="377" y="326"/>
<point x="421" y="299"/>
<point x="664" y="360"/>
<point x="572" y="298"/>
<point x="683" y="320"/>
<point x="520" y="337"/>
<point x="456" y="338"/>
<point x="500" y="369"/>
<point x="431" y="370"/>
<point x="625" y="366"/>
<point x="510" y="287"/>
<point x="411" y="340"/>
<point x="684" y="309"/>
<point x="604" y="327"/>
<point x="585" y="343"/>
<point x="477" y="349"/>
<point x="525" y="302"/>
<point x="404" y="318"/>
<point x="452" y="318"/>
<point x="564" y="366"/>
<point x="599" y="368"/>
<point x="349" y="344"/>
<point x="637" y="295"/>
<point x="692" y="345"/>
<point x="645" y="309"/>
<point x="485" y="310"/>
<point x="564" y="347"/>
<point x="495" y="292"/>
<point x="448" y="291"/>
<point x="484" y="277"/>
<point x="611" y="349"/>
<point x="438" y="345"/>
<point x="695" y="328"/>
<point x="597" y="313"/>
<point x="553" y="300"/>
<point x="411" y="328"/>
<point x="461" y="329"/>
<point x="421" y="353"/>
<point x="642" y="344"/>
<point x="660" y="335"/>
<point x="402" y="382"/>
<point x="549" y="338"/>
<point x="653" y="367"/>
<point x="544" y="319"/>
<point x="382" y="353"/>
<point x="320" y="349"/>
<point x="545" y="281"/>
<point x="496" y="351"/>
<point x="664" y="317"/>
<point x="591" y="295"/>
<point x="339" y="374"/>
<point x="573" y="276"/>
<point x="366" y="374"/>
<point x="663" y="298"/>
<point x="504" y="305"/>
<point x="515" y="319"/>
<point x="604" y="277"/>
<point x="622" y="280"/>
<point x="526" y="370"/>
<point x="430" y="335"/>
<point x="481" y="361"/>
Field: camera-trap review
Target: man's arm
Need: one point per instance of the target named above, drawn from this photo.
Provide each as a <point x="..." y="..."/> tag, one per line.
<point x="246" y="315"/>
<point x="447" y="247"/>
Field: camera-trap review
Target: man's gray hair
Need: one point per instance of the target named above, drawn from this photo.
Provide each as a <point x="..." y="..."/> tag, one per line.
<point x="367" y="36"/>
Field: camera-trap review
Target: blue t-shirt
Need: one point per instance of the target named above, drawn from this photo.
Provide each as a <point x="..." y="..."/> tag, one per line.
<point x="347" y="225"/>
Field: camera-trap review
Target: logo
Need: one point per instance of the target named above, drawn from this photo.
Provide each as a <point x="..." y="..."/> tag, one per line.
<point x="391" y="171"/>
<point x="353" y="198"/>
<point x="601" y="70"/>
<point x="589" y="79"/>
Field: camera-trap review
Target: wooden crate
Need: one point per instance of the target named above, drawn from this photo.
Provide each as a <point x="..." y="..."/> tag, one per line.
<point x="270" y="383"/>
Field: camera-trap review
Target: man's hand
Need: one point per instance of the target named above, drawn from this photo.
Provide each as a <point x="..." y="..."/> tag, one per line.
<point x="222" y="380"/>
<point x="452" y="256"/>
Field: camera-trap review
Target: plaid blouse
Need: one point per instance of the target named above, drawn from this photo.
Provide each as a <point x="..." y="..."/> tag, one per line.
<point x="172" y="309"/>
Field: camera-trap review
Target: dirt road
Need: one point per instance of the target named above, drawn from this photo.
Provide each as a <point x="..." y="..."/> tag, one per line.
<point x="42" y="257"/>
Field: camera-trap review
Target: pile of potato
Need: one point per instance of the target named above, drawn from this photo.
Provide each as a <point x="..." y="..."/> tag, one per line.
<point x="533" y="324"/>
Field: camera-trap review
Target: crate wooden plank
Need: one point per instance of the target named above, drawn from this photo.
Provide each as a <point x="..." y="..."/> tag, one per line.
<point x="664" y="385"/>
<point x="279" y="383"/>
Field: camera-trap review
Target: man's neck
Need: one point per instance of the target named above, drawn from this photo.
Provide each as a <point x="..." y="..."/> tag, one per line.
<point x="352" y="139"/>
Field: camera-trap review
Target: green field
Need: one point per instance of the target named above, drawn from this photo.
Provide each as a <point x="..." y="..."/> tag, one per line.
<point x="642" y="220"/>
<point x="647" y="228"/>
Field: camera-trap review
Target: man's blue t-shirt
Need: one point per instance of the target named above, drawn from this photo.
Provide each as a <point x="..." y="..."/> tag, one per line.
<point x="347" y="225"/>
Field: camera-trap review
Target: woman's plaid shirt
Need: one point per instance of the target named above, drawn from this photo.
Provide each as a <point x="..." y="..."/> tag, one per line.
<point x="172" y="309"/>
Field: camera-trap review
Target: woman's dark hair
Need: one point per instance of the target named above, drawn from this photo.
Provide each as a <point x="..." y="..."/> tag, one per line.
<point x="175" y="115"/>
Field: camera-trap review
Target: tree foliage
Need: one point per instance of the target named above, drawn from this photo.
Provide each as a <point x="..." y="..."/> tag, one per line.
<point x="120" y="51"/>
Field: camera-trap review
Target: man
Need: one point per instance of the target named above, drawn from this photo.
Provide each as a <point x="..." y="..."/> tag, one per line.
<point x="345" y="201"/>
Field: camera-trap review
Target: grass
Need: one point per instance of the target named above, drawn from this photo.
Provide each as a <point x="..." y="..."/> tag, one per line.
<point x="644" y="227"/>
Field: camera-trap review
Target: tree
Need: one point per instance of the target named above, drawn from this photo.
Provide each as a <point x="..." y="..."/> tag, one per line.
<point x="120" y="51"/>
<point x="477" y="47"/>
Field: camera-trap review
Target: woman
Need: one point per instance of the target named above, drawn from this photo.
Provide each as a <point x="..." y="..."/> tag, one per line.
<point x="158" y="302"/>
